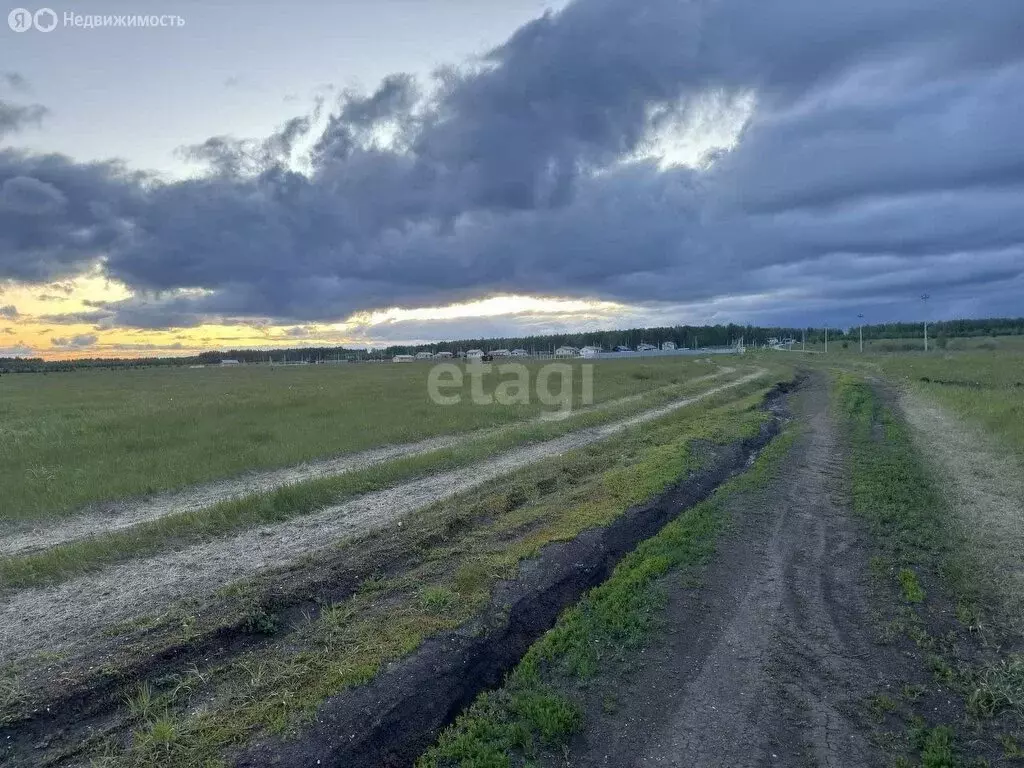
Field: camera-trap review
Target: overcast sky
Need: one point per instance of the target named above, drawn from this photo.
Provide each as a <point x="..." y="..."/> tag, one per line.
<point x="271" y="173"/>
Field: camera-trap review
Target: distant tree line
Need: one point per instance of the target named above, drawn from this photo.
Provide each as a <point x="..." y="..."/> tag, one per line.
<point x="682" y="335"/>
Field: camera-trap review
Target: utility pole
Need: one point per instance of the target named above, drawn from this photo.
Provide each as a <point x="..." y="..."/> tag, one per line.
<point x="826" y="339"/>
<point x="860" y="328"/>
<point x="804" y="342"/>
<point x="924" y="298"/>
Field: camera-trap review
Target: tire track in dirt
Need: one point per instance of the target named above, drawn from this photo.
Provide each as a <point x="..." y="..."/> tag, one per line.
<point x="768" y="663"/>
<point x="107" y="517"/>
<point x="65" y="617"/>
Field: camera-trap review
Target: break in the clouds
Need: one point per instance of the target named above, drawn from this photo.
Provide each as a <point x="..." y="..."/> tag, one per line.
<point x="852" y="157"/>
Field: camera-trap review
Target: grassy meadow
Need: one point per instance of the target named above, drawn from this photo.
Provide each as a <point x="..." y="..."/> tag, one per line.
<point x="979" y="379"/>
<point x="986" y="388"/>
<point x="73" y="438"/>
<point x="463" y="547"/>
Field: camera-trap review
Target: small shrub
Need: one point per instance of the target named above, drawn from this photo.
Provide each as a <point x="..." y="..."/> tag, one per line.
<point x="259" y="622"/>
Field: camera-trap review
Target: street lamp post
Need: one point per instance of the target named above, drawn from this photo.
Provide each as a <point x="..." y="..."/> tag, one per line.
<point x="924" y="298"/>
<point x="826" y="339"/>
<point x="860" y="328"/>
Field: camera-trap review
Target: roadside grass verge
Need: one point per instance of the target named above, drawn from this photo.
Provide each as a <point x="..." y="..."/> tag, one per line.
<point x="470" y="542"/>
<point x="174" y="531"/>
<point x="73" y="438"/>
<point x="537" y="708"/>
<point x="986" y="389"/>
<point x="919" y="544"/>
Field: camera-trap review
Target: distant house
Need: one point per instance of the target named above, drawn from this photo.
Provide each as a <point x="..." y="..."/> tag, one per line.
<point x="500" y="353"/>
<point x="668" y="346"/>
<point x="623" y="348"/>
<point x="443" y="356"/>
<point x="590" y="351"/>
<point x="520" y="353"/>
<point x="474" y="353"/>
<point x="566" y="352"/>
<point x="424" y="355"/>
<point x="646" y="348"/>
<point x="229" y="361"/>
<point x="403" y="359"/>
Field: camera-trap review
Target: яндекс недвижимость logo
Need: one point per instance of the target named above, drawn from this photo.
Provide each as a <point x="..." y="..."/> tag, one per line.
<point x="22" y="20"/>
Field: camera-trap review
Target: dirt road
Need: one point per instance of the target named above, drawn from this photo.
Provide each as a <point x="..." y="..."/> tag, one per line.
<point x="71" y="616"/>
<point x="771" y="659"/>
<point x="19" y="538"/>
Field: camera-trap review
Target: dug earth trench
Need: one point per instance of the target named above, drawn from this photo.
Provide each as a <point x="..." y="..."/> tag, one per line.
<point x="390" y="721"/>
<point x="71" y="700"/>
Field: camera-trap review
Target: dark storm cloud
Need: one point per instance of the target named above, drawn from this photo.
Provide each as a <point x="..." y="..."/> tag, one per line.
<point x="74" y="318"/>
<point x="881" y="159"/>
<point x="9" y="311"/>
<point x="75" y="342"/>
<point x="15" y="117"/>
<point x="230" y="157"/>
<point x="15" y="81"/>
<point x="58" y="216"/>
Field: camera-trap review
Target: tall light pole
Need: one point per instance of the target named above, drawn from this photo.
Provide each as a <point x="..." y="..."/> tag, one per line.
<point x="861" y="330"/>
<point x="924" y="298"/>
<point x="826" y="339"/>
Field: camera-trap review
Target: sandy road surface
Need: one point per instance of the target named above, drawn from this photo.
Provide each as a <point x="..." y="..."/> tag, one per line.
<point x="64" y="618"/>
<point x="769" y="662"/>
<point x="22" y="538"/>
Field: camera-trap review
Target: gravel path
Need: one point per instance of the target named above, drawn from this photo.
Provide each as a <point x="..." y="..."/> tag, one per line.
<point x="21" y="538"/>
<point x="66" y="617"/>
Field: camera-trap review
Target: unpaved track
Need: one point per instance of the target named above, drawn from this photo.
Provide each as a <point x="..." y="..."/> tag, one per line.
<point x="985" y="486"/>
<point x="769" y="661"/>
<point x="97" y="519"/>
<point x="66" y="618"/>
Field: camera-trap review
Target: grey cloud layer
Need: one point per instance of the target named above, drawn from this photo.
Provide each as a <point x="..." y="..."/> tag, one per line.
<point x="882" y="159"/>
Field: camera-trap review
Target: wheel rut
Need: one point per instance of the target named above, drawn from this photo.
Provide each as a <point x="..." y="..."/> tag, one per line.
<point x="770" y="660"/>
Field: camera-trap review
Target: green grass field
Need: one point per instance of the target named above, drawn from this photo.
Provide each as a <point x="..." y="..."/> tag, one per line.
<point x="465" y="545"/>
<point x="979" y="379"/>
<point x="851" y="345"/>
<point x="73" y="438"/>
<point x="983" y="387"/>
